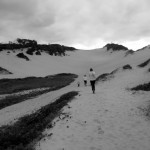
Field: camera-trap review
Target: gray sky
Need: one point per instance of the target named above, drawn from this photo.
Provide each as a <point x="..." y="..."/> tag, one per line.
<point x="80" y="23"/>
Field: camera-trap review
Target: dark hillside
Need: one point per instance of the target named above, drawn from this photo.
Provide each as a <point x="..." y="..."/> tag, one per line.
<point x="32" y="46"/>
<point x="115" y="47"/>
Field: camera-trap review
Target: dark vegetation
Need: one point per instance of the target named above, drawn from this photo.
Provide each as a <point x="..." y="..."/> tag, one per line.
<point x="38" y="53"/>
<point x="21" y="55"/>
<point x="115" y="47"/>
<point x="14" y="99"/>
<point x="30" y="51"/>
<point x="102" y="77"/>
<point x="144" y="63"/>
<point x="129" y="52"/>
<point x="4" y="71"/>
<point x="8" y="86"/>
<point x="127" y="67"/>
<point x="28" y="129"/>
<point x="142" y="87"/>
<point x="51" y="83"/>
<point x="106" y="76"/>
<point x="32" y="46"/>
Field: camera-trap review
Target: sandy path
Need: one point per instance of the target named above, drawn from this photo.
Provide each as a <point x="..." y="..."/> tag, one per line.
<point x="107" y="120"/>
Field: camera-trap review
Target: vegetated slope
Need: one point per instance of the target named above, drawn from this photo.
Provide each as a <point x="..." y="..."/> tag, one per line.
<point x="115" y="47"/>
<point x="30" y="127"/>
<point x="144" y="63"/>
<point x="102" y="62"/>
<point x="4" y="71"/>
<point x="9" y="86"/>
<point x="41" y="63"/>
<point x="34" y="48"/>
<point x="142" y="87"/>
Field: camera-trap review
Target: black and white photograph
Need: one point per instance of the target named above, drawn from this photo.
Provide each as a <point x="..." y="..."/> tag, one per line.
<point x="75" y="75"/>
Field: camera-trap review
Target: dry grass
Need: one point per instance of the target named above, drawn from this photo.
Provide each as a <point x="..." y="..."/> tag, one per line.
<point x="54" y="82"/>
<point x="142" y="87"/>
<point x="22" y="134"/>
<point x="9" y="86"/>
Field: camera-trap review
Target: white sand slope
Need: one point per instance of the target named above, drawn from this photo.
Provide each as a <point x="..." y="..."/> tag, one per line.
<point x="77" y="62"/>
<point x="107" y="120"/>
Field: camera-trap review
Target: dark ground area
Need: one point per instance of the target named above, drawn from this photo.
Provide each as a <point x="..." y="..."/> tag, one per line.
<point x="27" y="130"/>
<point x="9" y="86"/>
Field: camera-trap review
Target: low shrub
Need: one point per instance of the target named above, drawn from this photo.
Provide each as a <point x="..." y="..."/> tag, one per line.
<point x="142" y="87"/>
<point x="127" y="67"/>
<point x="21" y="55"/>
<point x="144" y="63"/>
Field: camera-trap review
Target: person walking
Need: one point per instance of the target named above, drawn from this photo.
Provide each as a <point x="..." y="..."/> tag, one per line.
<point x="92" y="78"/>
<point x="85" y="80"/>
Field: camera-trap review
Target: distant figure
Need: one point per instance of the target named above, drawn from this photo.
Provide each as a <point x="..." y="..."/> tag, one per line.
<point x="85" y="80"/>
<point x="78" y="83"/>
<point x="92" y="77"/>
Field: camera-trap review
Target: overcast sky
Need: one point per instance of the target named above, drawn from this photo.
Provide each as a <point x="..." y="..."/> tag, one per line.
<point x="80" y="23"/>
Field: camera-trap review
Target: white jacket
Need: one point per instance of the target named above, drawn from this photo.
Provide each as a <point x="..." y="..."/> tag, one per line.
<point x="85" y="78"/>
<point x="92" y="75"/>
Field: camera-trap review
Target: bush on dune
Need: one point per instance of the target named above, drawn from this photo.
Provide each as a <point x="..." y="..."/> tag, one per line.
<point x="4" y="71"/>
<point x="32" y="46"/>
<point x="115" y="47"/>
<point x="21" y="55"/>
<point x="127" y="67"/>
<point x="144" y="63"/>
<point x="108" y="76"/>
<point x="129" y="52"/>
<point x="102" y="77"/>
<point x="142" y="87"/>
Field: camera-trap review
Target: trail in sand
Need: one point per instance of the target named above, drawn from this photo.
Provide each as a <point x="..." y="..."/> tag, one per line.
<point x="107" y="120"/>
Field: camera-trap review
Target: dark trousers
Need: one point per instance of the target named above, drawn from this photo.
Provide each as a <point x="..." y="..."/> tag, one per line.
<point x="93" y="85"/>
<point x="85" y="82"/>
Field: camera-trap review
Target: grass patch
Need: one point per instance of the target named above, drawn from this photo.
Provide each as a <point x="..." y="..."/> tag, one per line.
<point x="14" y="99"/>
<point x="106" y="76"/>
<point x="115" y="47"/>
<point x="142" y="87"/>
<point x="9" y="86"/>
<point x="127" y="67"/>
<point x="22" y="55"/>
<point x="109" y="76"/>
<point x="144" y="63"/>
<point x="102" y="77"/>
<point x="28" y="129"/>
<point x="4" y="71"/>
<point x="129" y="52"/>
<point x="54" y="82"/>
